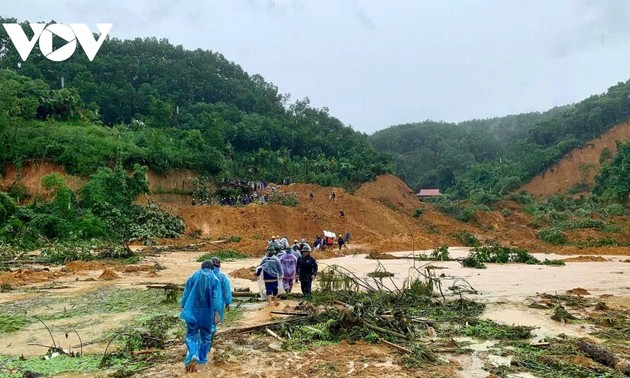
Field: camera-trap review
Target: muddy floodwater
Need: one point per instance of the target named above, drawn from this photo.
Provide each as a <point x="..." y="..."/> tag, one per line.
<point x="506" y="289"/>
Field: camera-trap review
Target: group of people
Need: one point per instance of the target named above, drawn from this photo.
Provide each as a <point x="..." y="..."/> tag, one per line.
<point x="283" y="265"/>
<point x="328" y="242"/>
<point x="207" y="295"/>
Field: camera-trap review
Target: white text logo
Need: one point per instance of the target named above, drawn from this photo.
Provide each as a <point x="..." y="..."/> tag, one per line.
<point x="70" y="33"/>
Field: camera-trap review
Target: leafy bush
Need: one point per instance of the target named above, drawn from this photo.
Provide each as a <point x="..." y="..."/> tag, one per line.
<point x="615" y="209"/>
<point x="553" y="235"/>
<point x="554" y="262"/>
<point x="418" y="213"/>
<point x="441" y="253"/>
<point x="456" y="209"/>
<point x="497" y="254"/>
<point x="289" y="199"/>
<point x="506" y="212"/>
<point x="467" y="239"/>
<point x="523" y="197"/>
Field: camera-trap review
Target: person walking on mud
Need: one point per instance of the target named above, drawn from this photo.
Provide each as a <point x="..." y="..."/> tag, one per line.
<point x="306" y="270"/>
<point x="226" y="294"/>
<point x="289" y="264"/>
<point x="200" y="304"/>
<point x="341" y="242"/>
<point x="271" y="272"/>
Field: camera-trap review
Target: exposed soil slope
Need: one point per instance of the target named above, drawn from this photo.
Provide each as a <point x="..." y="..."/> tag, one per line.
<point x="581" y="165"/>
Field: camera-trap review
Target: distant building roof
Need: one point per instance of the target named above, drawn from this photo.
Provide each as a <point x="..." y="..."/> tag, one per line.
<point x="429" y="192"/>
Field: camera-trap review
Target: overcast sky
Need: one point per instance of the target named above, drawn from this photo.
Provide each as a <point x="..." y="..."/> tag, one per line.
<point x="379" y="63"/>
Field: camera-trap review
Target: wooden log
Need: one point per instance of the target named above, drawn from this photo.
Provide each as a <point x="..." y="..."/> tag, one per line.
<point x="604" y="356"/>
<point x="397" y="347"/>
<point x="274" y="335"/>
<point x="253" y="328"/>
<point x="243" y="294"/>
<point x="290" y="313"/>
<point x="166" y="287"/>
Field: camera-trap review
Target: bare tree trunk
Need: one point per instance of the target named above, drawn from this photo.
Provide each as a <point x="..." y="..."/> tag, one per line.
<point x="604" y="356"/>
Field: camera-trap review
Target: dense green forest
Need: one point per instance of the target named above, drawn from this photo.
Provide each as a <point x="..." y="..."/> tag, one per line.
<point x="498" y="155"/>
<point x="147" y="102"/>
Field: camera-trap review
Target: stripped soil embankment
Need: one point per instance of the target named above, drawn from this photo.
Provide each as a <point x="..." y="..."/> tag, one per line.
<point x="580" y="165"/>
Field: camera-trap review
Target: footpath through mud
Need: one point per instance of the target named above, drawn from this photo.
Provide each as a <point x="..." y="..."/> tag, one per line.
<point x="79" y="300"/>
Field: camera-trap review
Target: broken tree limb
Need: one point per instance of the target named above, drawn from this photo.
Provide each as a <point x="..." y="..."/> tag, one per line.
<point x="397" y="347"/>
<point x="274" y="335"/>
<point x="253" y="328"/>
<point x="383" y="330"/>
<point x="290" y="313"/>
<point x="604" y="356"/>
<point x="168" y="286"/>
<point x="244" y="294"/>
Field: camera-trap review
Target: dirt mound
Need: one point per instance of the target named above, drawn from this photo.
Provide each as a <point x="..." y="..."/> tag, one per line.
<point x="380" y="256"/>
<point x="586" y="259"/>
<point x="81" y="266"/>
<point x="578" y="291"/>
<point x="26" y="276"/>
<point x="108" y="275"/>
<point x="137" y="268"/>
<point x="580" y="165"/>
<point x="245" y="273"/>
<point x="390" y="191"/>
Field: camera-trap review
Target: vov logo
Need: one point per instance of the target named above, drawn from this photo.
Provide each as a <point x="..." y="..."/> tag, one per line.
<point x="44" y="33"/>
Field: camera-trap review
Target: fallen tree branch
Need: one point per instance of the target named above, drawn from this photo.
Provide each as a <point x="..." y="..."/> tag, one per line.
<point x="274" y="335"/>
<point x="397" y="347"/>
<point x="604" y="356"/>
<point x="253" y="328"/>
<point x="290" y="313"/>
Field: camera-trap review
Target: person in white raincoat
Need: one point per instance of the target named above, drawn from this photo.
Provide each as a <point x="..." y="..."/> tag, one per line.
<point x="269" y="274"/>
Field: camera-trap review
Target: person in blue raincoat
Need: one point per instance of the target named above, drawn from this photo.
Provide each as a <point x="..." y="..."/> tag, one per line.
<point x="200" y="303"/>
<point x="226" y="290"/>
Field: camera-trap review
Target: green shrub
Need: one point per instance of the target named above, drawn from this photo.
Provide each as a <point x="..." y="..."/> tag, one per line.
<point x="418" y="213"/>
<point x="289" y="200"/>
<point x="554" y="262"/>
<point x="466" y="238"/>
<point x="523" y="197"/>
<point x="552" y="235"/>
<point x="497" y="254"/>
<point x="441" y="253"/>
<point x="506" y="212"/>
<point x="615" y="209"/>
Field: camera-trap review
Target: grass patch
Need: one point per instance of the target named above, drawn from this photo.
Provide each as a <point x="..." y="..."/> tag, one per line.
<point x="16" y="367"/>
<point x="223" y="255"/>
<point x="478" y="256"/>
<point x="12" y="323"/>
<point x="489" y="330"/>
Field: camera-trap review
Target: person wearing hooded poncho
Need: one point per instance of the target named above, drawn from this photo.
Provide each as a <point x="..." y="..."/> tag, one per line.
<point x="270" y="271"/>
<point x="226" y="292"/>
<point x="200" y="304"/>
<point x="289" y="263"/>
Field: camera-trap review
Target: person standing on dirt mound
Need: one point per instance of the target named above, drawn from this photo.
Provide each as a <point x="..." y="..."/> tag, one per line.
<point x="200" y="303"/>
<point x="306" y="270"/>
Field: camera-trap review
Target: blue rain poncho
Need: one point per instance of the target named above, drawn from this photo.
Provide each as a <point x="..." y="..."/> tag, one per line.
<point x="201" y="298"/>
<point x="226" y="290"/>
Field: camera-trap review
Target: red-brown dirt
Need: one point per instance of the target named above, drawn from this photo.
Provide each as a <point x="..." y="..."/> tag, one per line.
<point x="378" y="215"/>
<point x="581" y="165"/>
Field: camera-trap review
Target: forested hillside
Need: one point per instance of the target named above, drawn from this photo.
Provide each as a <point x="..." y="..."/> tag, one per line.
<point x="498" y="155"/>
<point x="146" y="101"/>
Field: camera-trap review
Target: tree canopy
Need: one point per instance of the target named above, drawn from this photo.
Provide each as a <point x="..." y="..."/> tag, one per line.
<point x="148" y="102"/>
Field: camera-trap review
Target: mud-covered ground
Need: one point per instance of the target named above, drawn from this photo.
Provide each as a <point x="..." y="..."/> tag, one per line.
<point x="79" y="298"/>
